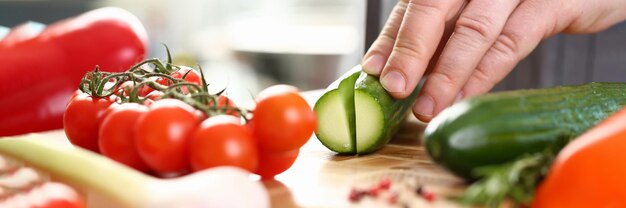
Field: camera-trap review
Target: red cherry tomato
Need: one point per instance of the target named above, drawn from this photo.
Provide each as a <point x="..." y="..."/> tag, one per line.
<point x="274" y="163"/>
<point x="74" y="94"/>
<point x="192" y="76"/>
<point x="223" y="141"/>
<point x="226" y="105"/>
<point x="117" y="135"/>
<point x="154" y="95"/>
<point x="82" y="118"/>
<point x="162" y="136"/>
<point x="127" y="86"/>
<point x="282" y="120"/>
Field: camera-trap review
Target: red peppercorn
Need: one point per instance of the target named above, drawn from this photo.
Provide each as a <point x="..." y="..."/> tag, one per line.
<point x="373" y="192"/>
<point x="384" y="183"/>
<point x="429" y="196"/>
<point x="354" y="196"/>
<point x="393" y="198"/>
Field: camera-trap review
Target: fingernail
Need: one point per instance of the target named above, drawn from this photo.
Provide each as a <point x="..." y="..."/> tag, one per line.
<point x="424" y="106"/>
<point x="393" y="81"/>
<point x="374" y="65"/>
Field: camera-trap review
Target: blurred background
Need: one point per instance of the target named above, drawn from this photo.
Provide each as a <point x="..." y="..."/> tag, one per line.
<point x="247" y="45"/>
<point x="244" y="45"/>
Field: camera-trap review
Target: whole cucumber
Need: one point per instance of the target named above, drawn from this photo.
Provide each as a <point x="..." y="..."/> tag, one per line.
<point x="496" y="128"/>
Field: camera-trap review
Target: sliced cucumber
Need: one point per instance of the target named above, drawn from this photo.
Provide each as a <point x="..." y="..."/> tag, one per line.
<point x="370" y="122"/>
<point x="371" y="114"/>
<point x="335" y="114"/>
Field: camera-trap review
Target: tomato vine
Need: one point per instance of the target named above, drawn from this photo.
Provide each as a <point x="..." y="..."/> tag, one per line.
<point x="104" y="84"/>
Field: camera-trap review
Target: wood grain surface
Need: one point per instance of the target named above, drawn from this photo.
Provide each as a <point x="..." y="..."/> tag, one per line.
<point x="322" y="178"/>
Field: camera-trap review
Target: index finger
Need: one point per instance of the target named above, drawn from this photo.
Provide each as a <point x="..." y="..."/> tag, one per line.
<point x="419" y="35"/>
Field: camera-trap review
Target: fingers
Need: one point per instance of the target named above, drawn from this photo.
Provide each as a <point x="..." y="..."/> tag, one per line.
<point x="476" y="30"/>
<point x="418" y="36"/>
<point x="376" y="57"/>
<point x="527" y="26"/>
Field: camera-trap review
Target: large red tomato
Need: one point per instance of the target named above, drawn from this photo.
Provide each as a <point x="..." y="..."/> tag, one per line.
<point x="590" y="170"/>
<point x="223" y="141"/>
<point x="82" y="118"/>
<point x="283" y="120"/>
<point x="117" y="135"/>
<point x="162" y="136"/>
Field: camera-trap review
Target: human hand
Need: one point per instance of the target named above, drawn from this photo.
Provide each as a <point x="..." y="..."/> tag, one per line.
<point x="482" y="43"/>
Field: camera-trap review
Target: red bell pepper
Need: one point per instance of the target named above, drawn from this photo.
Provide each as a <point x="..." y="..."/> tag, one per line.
<point x="21" y="32"/>
<point x="590" y="171"/>
<point x="39" y="73"/>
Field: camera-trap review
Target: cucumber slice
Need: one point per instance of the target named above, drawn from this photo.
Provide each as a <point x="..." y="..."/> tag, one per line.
<point x="370" y="122"/>
<point x="372" y="115"/>
<point x="335" y="114"/>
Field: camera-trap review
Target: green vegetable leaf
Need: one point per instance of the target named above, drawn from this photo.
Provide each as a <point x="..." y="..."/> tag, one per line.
<point x="516" y="180"/>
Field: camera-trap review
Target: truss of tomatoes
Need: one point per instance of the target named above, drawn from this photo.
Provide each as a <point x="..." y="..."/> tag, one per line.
<point x="161" y="120"/>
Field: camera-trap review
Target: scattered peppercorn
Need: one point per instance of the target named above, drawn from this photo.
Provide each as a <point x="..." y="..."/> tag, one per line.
<point x="384" y="183"/>
<point x="355" y="195"/>
<point x="393" y="198"/>
<point x="429" y="196"/>
<point x="373" y="192"/>
<point x="419" y="190"/>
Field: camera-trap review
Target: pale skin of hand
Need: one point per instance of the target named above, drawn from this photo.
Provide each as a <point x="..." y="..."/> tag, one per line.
<point x="466" y="47"/>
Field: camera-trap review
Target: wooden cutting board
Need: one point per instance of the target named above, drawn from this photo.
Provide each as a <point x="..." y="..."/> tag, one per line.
<point x="322" y="178"/>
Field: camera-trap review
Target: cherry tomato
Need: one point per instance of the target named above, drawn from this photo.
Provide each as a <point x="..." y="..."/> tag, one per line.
<point x="282" y="120"/>
<point x="226" y="105"/>
<point x="274" y="163"/>
<point x="127" y="86"/>
<point x="117" y="135"/>
<point x="154" y="95"/>
<point x="82" y="118"/>
<point x="192" y="76"/>
<point x="163" y="133"/>
<point x="74" y="94"/>
<point x="148" y="102"/>
<point x="223" y="141"/>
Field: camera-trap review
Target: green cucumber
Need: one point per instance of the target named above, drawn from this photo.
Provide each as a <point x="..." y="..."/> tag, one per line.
<point x="499" y="127"/>
<point x="356" y="114"/>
